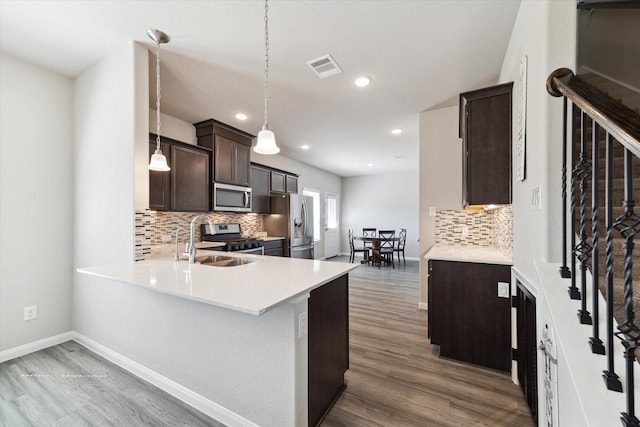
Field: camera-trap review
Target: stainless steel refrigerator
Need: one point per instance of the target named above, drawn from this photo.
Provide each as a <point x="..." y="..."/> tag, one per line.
<point x="292" y="217"/>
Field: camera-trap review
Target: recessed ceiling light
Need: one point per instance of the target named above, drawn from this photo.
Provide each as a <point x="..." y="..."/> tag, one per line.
<point x="396" y="131"/>
<point x="362" y="81"/>
<point x="241" y="116"/>
<point x="369" y="164"/>
<point x="304" y="147"/>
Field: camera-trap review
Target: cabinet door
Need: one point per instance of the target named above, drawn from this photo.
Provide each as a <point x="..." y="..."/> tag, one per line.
<point x="224" y="154"/>
<point x="274" y="247"/>
<point x="292" y="184"/>
<point x="242" y="163"/>
<point x="469" y="321"/>
<point x="486" y="131"/>
<point x="189" y="180"/>
<point x="159" y="182"/>
<point x="328" y="345"/>
<point x="278" y="182"/>
<point x="260" y="190"/>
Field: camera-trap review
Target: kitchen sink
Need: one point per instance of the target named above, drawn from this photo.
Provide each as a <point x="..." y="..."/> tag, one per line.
<point x="224" y="261"/>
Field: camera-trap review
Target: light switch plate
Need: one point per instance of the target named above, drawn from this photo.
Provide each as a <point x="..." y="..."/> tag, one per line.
<point x="432" y="211"/>
<point x="503" y="289"/>
<point x="536" y="198"/>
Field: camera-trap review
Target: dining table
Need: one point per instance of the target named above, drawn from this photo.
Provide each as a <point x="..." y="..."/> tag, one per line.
<point x="375" y="241"/>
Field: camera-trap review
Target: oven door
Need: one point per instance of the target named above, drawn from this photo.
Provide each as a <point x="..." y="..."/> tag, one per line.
<point x="253" y="251"/>
<point x="231" y="198"/>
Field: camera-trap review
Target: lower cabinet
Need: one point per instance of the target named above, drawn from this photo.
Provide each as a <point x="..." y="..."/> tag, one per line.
<point x="467" y="318"/>
<point x="274" y="247"/>
<point x="527" y="347"/>
<point x="328" y="346"/>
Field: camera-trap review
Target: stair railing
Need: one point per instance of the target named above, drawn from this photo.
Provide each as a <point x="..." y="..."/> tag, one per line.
<point x="593" y="110"/>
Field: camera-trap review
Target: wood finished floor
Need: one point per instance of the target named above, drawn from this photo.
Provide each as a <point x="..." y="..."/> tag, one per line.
<point x="395" y="377"/>
<point x="68" y="385"/>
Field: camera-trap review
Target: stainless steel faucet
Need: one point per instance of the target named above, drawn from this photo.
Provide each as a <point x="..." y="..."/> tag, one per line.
<point x="192" y="243"/>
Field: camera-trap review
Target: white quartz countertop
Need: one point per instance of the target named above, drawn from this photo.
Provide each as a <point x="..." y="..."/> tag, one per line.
<point x="480" y="254"/>
<point x="253" y="288"/>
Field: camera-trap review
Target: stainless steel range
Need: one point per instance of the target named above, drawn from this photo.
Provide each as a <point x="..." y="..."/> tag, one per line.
<point x="231" y="236"/>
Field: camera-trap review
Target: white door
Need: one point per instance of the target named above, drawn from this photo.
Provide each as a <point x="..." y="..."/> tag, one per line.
<point x="331" y="216"/>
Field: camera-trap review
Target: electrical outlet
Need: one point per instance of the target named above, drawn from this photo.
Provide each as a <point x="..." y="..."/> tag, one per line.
<point x="432" y="211"/>
<point x="31" y="312"/>
<point x="465" y="231"/>
<point x="503" y="289"/>
<point x="302" y="324"/>
<point x="166" y="238"/>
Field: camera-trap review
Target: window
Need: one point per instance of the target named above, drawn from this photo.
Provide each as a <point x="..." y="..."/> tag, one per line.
<point x="316" y="211"/>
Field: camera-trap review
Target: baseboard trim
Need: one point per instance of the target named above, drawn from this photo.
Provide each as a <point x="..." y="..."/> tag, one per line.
<point x="423" y="305"/>
<point x="25" y="349"/>
<point x="189" y="397"/>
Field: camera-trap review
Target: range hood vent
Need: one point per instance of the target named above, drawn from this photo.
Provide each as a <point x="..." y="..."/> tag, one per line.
<point x="324" y="67"/>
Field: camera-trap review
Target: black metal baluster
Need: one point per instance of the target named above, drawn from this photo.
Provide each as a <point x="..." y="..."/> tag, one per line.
<point x="565" y="272"/>
<point x="596" y="343"/>
<point x="628" y="225"/>
<point x="574" y="293"/>
<point x="582" y="171"/>
<point x="611" y="379"/>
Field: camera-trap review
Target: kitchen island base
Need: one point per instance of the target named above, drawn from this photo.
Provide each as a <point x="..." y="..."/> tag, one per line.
<point x="256" y="368"/>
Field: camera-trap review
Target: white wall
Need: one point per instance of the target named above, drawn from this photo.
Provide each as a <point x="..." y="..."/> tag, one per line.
<point x="386" y="201"/>
<point x="35" y="202"/>
<point x="440" y="176"/>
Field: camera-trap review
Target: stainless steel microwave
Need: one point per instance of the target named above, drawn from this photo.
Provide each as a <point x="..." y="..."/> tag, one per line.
<point x="231" y="198"/>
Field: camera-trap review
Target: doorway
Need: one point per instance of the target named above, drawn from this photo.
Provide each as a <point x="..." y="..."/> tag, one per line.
<point x="331" y="226"/>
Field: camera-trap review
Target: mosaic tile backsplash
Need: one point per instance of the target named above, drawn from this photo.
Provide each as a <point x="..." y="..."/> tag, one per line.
<point x="485" y="228"/>
<point x="151" y="226"/>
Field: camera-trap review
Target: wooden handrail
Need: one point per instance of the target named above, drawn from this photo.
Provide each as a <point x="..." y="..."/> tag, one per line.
<point x="619" y="120"/>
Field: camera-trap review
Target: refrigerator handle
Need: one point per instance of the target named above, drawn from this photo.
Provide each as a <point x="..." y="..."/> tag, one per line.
<point x="304" y="216"/>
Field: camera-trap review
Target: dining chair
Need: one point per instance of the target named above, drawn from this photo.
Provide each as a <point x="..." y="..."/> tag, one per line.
<point x="353" y="249"/>
<point x="371" y="233"/>
<point x="399" y="248"/>
<point x="385" y="250"/>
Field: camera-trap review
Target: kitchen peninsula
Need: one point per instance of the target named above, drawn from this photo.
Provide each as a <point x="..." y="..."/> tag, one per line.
<point x="248" y="344"/>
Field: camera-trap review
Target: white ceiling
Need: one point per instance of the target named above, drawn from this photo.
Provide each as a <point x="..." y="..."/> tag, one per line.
<point x="420" y="55"/>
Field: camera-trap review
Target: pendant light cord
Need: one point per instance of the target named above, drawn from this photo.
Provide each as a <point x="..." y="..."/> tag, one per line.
<point x="266" y="61"/>
<point x="158" y="97"/>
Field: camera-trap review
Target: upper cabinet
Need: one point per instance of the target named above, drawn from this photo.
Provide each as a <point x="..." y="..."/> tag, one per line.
<point x="260" y="189"/>
<point x="231" y="151"/>
<point x="283" y="182"/>
<point x="186" y="186"/>
<point x="485" y="129"/>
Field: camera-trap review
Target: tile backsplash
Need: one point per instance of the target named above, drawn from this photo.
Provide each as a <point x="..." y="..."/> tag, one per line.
<point x="485" y="228"/>
<point x="151" y="226"/>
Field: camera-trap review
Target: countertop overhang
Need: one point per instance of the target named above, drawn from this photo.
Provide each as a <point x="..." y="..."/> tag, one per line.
<point x="480" y="254"/>
<point x="253" y="288"/>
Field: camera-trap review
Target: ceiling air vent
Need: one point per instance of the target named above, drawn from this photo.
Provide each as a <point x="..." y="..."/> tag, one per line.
<point x="324" y="67"/>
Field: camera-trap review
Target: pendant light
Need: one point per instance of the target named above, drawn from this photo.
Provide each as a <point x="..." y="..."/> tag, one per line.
<point x="158" y="160"/>
<point x="266" y="143"/>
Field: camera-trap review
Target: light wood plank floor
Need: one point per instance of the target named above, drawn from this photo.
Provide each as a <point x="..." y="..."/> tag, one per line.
<point x="395" y="377"/>
<point x="68" y="385"/>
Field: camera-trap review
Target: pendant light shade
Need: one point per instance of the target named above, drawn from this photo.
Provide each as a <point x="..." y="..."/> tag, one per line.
<point x="266" y="143"/>
<point x="158" y="160"/>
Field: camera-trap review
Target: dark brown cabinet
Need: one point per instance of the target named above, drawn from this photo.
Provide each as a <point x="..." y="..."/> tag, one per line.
<point x="159" y="182"/>
<point x="328" y="346"/>
<point x="467" y="318"/>
<point x="186" y="186"/>
<point x="485" y="129"/>
<point x="231" y="151"/>
<point x="260" y="189"/>
<point x="283" y="182"/>
<point x="189" y="179"/>
<point x="527" y="347"/>
<point x="274" y="247"/>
